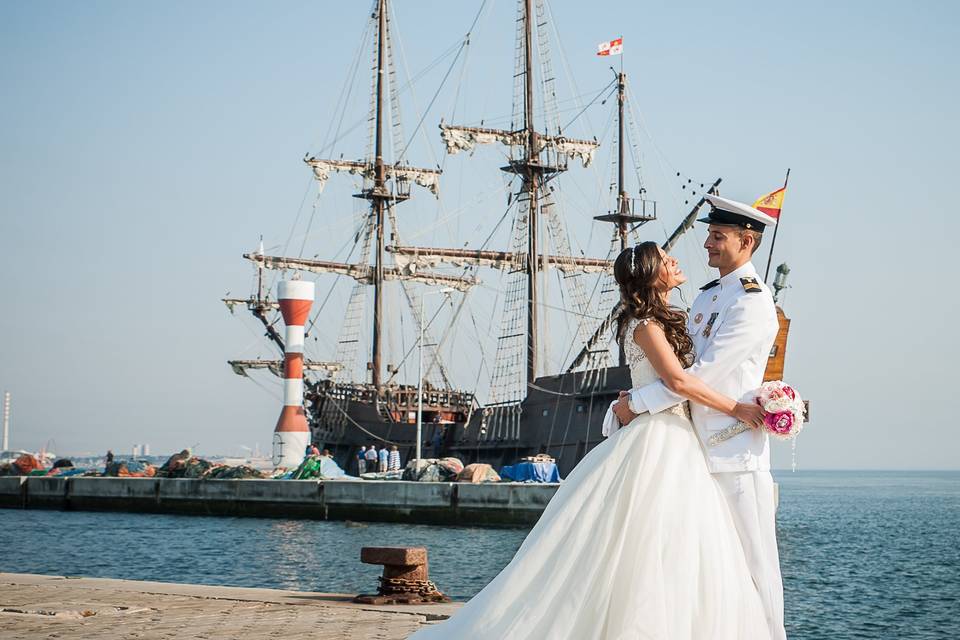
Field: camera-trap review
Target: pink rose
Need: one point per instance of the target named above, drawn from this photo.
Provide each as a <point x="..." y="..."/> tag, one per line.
<point x="779" y="423"/>
<point x="779" y="394"/>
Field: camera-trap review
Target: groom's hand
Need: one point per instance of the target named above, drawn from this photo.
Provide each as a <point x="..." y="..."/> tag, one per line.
<point x="622" y="408"/>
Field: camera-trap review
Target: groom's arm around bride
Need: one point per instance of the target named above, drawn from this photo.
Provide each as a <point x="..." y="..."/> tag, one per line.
<point x="739" y="347"/>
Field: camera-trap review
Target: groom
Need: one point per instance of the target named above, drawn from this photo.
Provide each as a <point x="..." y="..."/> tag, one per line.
<point x="733" y="324"/>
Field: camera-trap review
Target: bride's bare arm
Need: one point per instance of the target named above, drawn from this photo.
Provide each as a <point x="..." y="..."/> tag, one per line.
<point x="653" y="341"/>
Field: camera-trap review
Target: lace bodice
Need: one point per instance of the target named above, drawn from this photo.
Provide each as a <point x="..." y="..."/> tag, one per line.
<point x="642" y="372"/>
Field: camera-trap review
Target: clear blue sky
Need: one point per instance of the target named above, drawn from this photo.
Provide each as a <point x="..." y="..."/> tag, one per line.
<point x="145" y="146"/>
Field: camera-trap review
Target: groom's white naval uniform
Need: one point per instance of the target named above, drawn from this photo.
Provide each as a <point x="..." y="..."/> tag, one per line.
<point x="733" y="324"/>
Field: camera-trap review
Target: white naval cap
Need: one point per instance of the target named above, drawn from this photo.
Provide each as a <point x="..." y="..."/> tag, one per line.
<point x="736" y="213"/>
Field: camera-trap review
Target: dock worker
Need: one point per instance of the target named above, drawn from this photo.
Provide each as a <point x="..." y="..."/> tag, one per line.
<point x="362" y="460"/>
<point x="371" y="456"/>
<point x="394" y="464"/>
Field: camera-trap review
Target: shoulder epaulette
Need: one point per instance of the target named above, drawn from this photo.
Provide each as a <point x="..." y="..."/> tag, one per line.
<point x="710" y="285"/>
<point x="750" y="285"/>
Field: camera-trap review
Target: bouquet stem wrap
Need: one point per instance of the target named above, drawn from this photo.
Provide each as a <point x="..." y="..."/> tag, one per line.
<point x="783" y="418"/>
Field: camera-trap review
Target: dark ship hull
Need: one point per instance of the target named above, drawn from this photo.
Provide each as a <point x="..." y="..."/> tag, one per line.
<point x="561" y="416"/>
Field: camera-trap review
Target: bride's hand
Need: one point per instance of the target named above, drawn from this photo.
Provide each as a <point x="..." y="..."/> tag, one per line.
<point x="749" y="413"/>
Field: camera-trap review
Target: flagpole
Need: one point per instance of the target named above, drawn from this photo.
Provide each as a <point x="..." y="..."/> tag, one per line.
<point x="773" y="242"/>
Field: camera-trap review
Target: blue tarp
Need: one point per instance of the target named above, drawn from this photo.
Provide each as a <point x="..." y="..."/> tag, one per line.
<point x="531" y="472"/>
<point x="315" y="467"/>
<point x="330" y="469"/>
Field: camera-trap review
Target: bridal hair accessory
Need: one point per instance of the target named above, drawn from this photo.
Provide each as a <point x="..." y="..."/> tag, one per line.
<point x="785" y="409"/>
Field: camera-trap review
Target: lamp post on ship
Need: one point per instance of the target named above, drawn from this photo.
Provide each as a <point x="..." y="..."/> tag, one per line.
<point x="423" y="323"/>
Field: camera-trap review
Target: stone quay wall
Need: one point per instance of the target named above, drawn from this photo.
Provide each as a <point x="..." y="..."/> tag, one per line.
<point x="448" y="503"/>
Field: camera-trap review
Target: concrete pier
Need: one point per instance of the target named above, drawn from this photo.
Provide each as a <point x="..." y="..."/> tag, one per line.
<point x="448" y="503"/>
<point x="33" y="606"/>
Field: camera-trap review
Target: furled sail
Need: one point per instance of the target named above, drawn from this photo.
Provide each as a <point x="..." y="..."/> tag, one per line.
<point x="427" y="178"/>
<point x="431" y="257"/>
<point x="240" y="367"/>
<point x="459" y="139"/>
<point x="362" y="272"/>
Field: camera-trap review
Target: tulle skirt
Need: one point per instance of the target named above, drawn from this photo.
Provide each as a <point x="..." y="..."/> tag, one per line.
<point x="637" y="543"/>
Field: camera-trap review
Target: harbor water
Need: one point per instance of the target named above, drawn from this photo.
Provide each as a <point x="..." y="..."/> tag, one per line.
<point x="864" y="554"/>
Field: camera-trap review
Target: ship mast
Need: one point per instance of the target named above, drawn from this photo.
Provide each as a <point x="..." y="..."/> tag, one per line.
<point x="622" y="202"/>
<point x="601" y="332"/>
<point x="377" y="195"/>
<point x="624" y="215"/>
<point x="536" y="157"/>
<point x="532" y="179"/>
<point x="385" y="184"/>
<point x="621" y="192"/>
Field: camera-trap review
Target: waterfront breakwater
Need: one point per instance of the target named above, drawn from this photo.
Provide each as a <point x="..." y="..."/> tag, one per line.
<point x="489" y="504"/>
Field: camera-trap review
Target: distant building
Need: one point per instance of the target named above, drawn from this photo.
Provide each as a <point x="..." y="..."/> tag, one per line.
<point x="136" y="451"/>
<point x="146" y="449"/>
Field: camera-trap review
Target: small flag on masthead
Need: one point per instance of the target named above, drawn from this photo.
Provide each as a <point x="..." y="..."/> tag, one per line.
<point x="612" y="48"/>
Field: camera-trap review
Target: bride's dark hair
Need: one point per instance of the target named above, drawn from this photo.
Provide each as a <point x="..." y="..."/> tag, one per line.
<point x="637" y="271"/>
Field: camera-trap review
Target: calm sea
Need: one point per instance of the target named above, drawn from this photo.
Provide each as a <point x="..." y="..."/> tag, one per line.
<point x="864" y="554"/>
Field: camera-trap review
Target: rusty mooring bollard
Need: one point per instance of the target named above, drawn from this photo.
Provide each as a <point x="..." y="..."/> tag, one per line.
<point x="405" y="578"/>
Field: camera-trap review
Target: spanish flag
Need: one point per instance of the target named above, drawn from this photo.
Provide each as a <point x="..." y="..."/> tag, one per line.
<point x="771" y="203"/>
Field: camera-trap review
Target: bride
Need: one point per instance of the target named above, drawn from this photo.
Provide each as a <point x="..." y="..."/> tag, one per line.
<point x="638" y="541"/>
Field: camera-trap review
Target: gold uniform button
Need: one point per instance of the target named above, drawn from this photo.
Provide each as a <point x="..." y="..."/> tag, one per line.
<point x="714" y="299"/>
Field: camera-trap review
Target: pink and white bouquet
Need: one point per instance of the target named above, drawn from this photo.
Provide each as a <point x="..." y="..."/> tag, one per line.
<point x="785" y="413"/>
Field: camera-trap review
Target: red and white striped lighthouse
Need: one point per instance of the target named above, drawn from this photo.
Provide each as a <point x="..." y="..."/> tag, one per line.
<point x="292" y="434"/>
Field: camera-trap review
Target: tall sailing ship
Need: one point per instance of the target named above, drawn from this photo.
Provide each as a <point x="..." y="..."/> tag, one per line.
<point x="355" y="398"/>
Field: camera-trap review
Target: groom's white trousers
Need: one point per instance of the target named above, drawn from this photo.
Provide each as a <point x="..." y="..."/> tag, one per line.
<point x="751" y="500"/>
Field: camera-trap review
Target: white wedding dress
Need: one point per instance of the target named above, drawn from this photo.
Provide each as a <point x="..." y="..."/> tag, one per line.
<point x="637" y="543"/>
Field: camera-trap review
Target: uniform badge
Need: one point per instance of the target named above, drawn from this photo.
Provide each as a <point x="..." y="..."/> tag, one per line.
<point x="750" y="285"/>
<point x="697" y="318"/>
<point x="709" y="328"/>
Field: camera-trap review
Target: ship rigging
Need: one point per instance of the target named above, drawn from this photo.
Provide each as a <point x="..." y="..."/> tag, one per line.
<point x="527" y="409"/>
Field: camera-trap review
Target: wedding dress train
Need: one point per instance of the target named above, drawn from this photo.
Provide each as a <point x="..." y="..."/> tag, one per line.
<point x="637" y="543"/>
